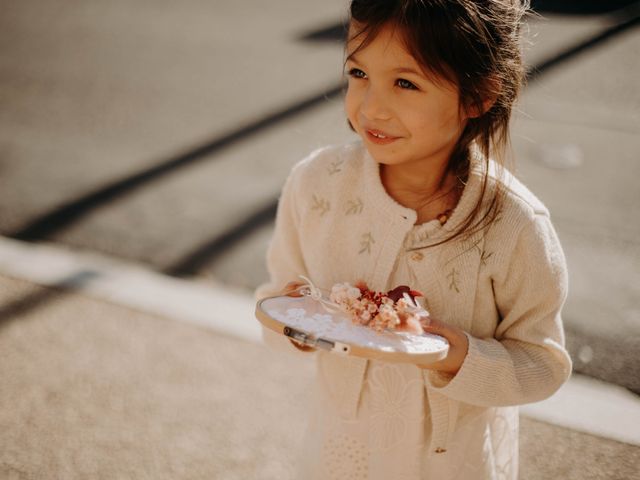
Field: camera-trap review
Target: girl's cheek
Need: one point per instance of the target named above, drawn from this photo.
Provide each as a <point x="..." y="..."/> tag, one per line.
<point x="351" y="105"/>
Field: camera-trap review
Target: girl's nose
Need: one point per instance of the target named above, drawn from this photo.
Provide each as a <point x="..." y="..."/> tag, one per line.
<point x="373" y="105"/>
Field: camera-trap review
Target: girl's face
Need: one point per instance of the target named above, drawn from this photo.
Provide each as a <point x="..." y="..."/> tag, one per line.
<point x="403" y="117"/>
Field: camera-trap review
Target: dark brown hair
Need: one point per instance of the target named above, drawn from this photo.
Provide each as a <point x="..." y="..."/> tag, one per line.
<point x="473" y="44"/>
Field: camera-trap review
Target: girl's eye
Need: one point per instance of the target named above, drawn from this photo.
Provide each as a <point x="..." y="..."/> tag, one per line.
<point x="402" y="83"/>
<point x="357" y="73"/>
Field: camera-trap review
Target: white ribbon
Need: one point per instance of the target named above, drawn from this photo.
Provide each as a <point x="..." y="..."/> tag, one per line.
<point x="310" y="290"/>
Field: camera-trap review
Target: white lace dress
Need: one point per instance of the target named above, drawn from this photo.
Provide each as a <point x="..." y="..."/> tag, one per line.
<point x="389" y="436"/>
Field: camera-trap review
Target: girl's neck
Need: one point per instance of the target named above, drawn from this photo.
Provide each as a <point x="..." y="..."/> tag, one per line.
<point x="428" y="192"/>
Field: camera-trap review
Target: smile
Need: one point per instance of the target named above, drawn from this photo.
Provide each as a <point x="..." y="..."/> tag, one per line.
<point x="380" y="138"/>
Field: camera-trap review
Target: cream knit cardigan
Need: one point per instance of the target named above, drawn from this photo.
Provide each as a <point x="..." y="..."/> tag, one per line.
<point x="504" y="286"/>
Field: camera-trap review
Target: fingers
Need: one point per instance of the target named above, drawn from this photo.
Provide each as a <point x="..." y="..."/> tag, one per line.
<point x="411" y="325"/>
<point x="291" y="289"/>
<point x="303" y="348"/>
<point x="435" y="326"/>
<point x="428" y="324"/>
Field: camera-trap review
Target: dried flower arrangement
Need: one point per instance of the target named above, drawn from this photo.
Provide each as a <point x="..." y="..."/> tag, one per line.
<point x="395" y="310"/>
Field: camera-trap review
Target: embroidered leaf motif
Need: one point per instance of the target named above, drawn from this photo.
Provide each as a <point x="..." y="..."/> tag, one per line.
<point x="320" y="204"/>
<point x="366" y="242"/>
<point x="422" y="237"/>
<point x="334" y="167"/>
<point x="484" y="256"/>
<point x="469" y="244"/>
<point x="355" y="206"/>
<point x="453" y="280"/>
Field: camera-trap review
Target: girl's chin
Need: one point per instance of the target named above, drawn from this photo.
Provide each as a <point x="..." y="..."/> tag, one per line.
<point x="385" y="157"/>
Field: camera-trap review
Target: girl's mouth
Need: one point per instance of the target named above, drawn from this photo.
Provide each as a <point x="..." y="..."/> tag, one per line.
<point x="379" y="138"/>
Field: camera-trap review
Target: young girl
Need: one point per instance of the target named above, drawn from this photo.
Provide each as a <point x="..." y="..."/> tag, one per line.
<point x="422" y="200"/>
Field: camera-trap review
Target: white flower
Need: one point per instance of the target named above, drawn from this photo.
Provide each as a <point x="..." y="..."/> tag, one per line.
<point x="343" y="293"/>
<point x="353" y="293"/>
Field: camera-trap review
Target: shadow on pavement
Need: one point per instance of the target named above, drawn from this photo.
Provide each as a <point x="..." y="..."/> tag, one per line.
<point x="583" y="47"/>
<point x="74" y="210"/>
<point x="207" y="252"/>
<point x="582" y="7"/>
<point x="33" y="301"/>
<point x="338" y="32"/>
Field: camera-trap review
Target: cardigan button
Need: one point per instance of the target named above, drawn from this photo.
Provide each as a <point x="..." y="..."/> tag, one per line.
<point x="441" y="450"/>
<point x="417" y="256"/>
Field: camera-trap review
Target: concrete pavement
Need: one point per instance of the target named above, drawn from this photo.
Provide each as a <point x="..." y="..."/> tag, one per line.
<point x="95" y="390"/>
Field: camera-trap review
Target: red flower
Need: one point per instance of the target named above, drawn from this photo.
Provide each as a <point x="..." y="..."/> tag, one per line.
<point x="398" y="292"/>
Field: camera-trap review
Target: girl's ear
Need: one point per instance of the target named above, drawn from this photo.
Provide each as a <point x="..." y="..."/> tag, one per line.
<point x="492" y="89"/>
<point x="476" y="111"/>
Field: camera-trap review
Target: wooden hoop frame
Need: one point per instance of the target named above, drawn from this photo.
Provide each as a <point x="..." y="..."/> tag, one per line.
<point x="306" y="337"/>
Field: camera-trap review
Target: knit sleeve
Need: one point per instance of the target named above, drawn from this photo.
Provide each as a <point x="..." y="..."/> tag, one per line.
<point x="284" y="257"/>
<point x="525" y="361"/>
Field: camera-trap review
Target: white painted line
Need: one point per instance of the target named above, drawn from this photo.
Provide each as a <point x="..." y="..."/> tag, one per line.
<point x="583" y="404"/>
<point x="220" y="308"/>
<point x="591" y="406"/>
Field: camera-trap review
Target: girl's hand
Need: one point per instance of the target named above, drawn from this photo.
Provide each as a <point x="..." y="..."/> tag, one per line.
<point x="291" y="290"/>
<point x="458" y="345"/>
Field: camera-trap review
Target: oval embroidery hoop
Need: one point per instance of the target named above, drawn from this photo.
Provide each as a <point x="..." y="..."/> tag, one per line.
<point x="307" y="320"/>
